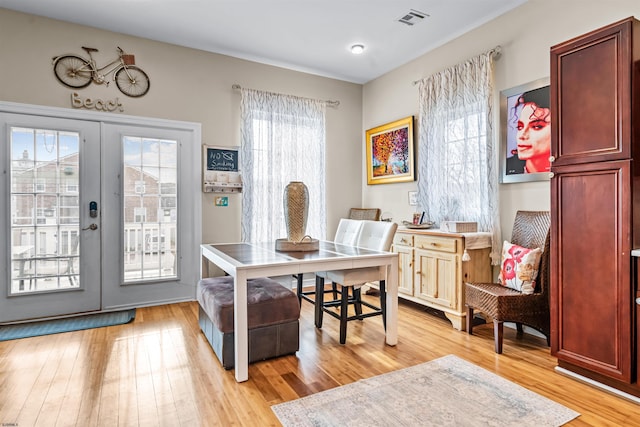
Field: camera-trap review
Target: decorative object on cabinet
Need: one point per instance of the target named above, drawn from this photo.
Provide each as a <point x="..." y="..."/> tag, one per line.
<point x="525" y="120"/>
<point x="459" y="226"/>
<point x="503" y="304"/>
<point x="374" y="235"/>
<point x="220" y="170"/>
<point x="423" y="226"/>
<point x="390" y="152"/>
<point x="78" y="72"/>
<point x="594" y="195"/>
<point x="296" y="211"/>
<point x="433" y="269"/>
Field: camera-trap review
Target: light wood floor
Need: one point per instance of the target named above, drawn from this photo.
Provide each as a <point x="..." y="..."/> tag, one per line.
<point x="160" y="371"/>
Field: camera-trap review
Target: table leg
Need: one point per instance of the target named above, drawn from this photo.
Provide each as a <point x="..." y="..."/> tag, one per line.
<point x="204" y="267"/>
<point x="319" y="301"/>
<point x="392" y="302"/>
<point x="241" y="328"/>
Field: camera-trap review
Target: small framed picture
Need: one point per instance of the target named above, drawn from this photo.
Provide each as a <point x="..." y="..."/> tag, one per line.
<point x="390" y="152"/>
<point x="525" y="119"/>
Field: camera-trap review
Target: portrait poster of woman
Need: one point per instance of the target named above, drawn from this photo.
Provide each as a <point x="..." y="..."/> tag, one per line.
<point x="525" y="118"/>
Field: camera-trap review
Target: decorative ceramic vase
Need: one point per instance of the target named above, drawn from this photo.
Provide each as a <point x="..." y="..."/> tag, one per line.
<point x="296" y="210"/>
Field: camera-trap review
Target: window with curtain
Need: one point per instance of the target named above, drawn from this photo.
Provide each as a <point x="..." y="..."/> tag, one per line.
<point x="283" y="140"/>
<point x="458" y="173"/>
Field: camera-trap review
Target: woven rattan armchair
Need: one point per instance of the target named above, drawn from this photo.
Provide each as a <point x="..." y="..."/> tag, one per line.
<point x="502" y="304"/>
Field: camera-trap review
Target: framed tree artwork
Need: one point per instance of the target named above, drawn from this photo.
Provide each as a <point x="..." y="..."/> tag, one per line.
<point x="390" y="152"/>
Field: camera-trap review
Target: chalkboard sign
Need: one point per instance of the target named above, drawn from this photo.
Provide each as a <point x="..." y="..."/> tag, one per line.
<point x="221" y="159"/>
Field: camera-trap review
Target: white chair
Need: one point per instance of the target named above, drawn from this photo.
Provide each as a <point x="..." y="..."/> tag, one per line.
<point x="346" y="234"/>
<point x="375" y="235"/>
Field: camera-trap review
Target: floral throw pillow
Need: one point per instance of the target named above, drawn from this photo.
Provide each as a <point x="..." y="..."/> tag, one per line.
<point x="519" y="267"/>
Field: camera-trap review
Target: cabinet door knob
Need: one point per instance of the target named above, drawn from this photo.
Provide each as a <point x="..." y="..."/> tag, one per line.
<point x="638" y="301"/>
<point x="552" y="159"/>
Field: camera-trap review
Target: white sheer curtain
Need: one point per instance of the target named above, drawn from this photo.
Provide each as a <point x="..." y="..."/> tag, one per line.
<point x="458" y="172"/>
<point x="283" y="140"/>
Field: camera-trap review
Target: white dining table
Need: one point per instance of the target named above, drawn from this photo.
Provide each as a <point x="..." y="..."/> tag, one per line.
<point x="246" y="261"/>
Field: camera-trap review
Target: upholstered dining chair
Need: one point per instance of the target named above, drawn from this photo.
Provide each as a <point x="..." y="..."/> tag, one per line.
<point x="346" y="234"/>
<point x="369" y="214"/>
<point x="375" y="235"/>
<point x="503" y="304"/>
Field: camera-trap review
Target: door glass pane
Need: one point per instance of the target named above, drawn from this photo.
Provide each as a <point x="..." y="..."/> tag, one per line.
<point x="150" y="208"/>
<point x="44" y="210"/>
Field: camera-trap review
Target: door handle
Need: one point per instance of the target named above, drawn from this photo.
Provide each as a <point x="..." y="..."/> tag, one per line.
<point x="91" y="227"/>
<point x="638" y="301"/>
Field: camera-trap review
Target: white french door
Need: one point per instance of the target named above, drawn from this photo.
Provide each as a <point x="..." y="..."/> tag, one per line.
<point x="145" y="210"/>
<point x="52" y="239"/>
<point x="97" y="212"/>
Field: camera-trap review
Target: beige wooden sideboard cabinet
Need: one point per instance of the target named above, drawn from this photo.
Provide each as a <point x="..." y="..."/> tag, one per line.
<point x="432" y="269"/>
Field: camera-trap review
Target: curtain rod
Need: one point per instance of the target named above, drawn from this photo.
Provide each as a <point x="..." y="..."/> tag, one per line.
<point x="496" y="52"/>
<point x="330" y="103"/>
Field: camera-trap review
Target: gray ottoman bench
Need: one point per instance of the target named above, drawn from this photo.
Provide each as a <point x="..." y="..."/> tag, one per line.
<point x="272" y="313"/>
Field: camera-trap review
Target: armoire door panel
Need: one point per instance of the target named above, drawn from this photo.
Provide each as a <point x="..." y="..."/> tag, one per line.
<point x="636" y="310"/>
<point x="591" y="110"/>
<point x="591" y="264"/>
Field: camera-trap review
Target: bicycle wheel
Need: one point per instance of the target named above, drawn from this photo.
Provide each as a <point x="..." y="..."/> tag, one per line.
<point x="72" y="71"/>
<point x="132" y="81"/>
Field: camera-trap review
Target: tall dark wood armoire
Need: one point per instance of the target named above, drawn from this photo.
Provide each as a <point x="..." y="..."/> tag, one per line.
<point x="595" y="196"/>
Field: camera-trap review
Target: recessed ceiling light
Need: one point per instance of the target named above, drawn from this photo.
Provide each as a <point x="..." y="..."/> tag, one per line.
<point x="357" y="49"/>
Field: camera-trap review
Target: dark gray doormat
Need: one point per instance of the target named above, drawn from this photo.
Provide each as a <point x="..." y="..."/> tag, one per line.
<point x="76" y="323"/>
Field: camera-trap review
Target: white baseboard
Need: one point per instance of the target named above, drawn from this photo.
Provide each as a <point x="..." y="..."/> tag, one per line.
<point x="597" y="384"/>
<point x="116" y="307"/>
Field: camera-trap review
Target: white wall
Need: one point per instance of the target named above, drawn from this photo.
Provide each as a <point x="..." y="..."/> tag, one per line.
<point x="526" y="35"/>
<point x="192" y="85"/>
<point x="188" y="85"/>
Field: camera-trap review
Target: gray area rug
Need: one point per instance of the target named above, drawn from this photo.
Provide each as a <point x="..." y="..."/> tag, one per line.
<point x="444" y="392"/>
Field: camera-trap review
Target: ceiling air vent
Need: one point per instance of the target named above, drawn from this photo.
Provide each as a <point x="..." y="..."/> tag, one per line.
<point x="412" y="17"/>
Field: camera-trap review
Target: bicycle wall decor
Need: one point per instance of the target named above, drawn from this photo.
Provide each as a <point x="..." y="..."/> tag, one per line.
<point x="77" y="72"/>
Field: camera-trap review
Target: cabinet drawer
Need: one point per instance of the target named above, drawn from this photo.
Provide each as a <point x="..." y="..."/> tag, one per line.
<point x="402" y="239"/>
<point x="435" y="243"/>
